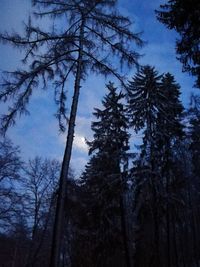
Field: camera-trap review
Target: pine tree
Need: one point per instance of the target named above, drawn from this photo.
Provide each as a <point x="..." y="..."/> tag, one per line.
<point x="104" y="184"/>
<point x="155" y="110"/>
<point x="143" y="103"/>
<point x="168" y="131"/>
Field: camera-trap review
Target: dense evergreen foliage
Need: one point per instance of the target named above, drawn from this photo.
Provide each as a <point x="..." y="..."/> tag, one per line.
<point x="184" y="17"/>
<point x="155" y="109"/>
<point x="137" y="203"/>
<point x="125" y="210"/>
<point x="103" y="184"/>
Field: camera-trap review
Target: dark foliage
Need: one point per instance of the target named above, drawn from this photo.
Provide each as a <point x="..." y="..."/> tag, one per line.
<point x="52" y="57"/>
<point x="184" y="17"/>
<point x="103" y="187"/>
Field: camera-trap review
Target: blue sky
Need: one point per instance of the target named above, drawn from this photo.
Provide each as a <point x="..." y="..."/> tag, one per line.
<point x="38" y="133"/>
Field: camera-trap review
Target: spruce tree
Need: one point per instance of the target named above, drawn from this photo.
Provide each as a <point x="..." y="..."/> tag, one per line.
<point x="169" y="130"/>
<point x="143" y="103"/>
<point x="155" y="111"/>
<point x="104" y="183"/>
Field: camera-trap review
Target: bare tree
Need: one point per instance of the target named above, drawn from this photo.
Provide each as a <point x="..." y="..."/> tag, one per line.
<point x="40" y="186"/>
<point x="10" y="166"/>
<point x="94" y="37"/>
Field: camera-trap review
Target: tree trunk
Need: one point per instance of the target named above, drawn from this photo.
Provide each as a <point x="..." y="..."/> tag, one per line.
<point x="14" y="257"/>
<point x="156" y="255"/>
<point x="168" y="225"/>
<point x="30" y="259"/>
<point x="193" y="225"/>
<point x="124" y="232"/>
<point x="176" y="255"/>
<point x="59" y="217"/>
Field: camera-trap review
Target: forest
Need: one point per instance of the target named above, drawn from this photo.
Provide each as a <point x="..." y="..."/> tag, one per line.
<point x="137" y="202"/>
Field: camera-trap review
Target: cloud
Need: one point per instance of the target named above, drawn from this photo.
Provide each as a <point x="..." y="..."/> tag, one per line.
<point x="82" y="131"/>
<point x="80" y="149"/>
<point x="79" y="143"/>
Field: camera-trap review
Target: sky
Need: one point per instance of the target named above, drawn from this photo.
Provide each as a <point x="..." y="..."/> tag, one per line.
<point x="37" y="134"/>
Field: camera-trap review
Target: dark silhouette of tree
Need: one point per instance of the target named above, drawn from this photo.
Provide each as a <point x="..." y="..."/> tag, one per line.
<point x="143" y="103"/>
<point x="184" y="17"/>
<point x="14" y="244"/>
<point x="186" y="214"/>
<point x="104" y="185"/>
<point x="40" y="183"/>
<point x="155" y="111"/>
<point x="193" y="182"/>
<point x="28" y="225"/>
<point x="94" y="35"/>
<point x="76" y="242"/>
<point x="10" y="167"/>
<point x="169" y="129"/>
<point x="194" y="134"/>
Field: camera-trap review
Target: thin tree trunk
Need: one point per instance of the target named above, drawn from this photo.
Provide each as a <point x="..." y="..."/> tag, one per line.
<point x="124" y="232"/>
<point x="184" y="242"/>
<point x="30" y="259"/>
<point x="156" y="235"/>
<point x="156" y="254"/>
<point x="38" y="248"/>
<point x="176" y="255"/>
<point x="14" y="257"/>
<point x="60" y="217"/>
<point x="193" y="225"/>
<point x="168" y="226"/>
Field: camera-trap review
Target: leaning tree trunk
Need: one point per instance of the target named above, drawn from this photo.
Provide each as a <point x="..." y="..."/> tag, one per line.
<point x="60" y="217"/>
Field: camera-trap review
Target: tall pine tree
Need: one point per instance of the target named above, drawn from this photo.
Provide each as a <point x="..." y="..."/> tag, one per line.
<point x="105" y="184"/>
<point x="155" y="110"/>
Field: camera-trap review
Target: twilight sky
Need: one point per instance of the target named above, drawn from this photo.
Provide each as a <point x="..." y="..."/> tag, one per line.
<point x="38" y="134"/>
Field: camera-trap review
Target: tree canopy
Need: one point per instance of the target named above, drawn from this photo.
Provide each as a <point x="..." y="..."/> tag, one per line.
<point x="92" y="31"/>
<point x="184" y="17"/>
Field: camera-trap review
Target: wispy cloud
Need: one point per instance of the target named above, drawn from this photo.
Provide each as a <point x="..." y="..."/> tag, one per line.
<point x="79" y="143"/>
<point x="82" y="132"/>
